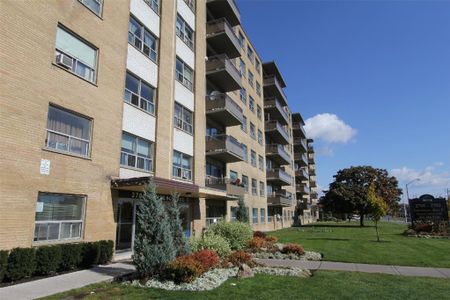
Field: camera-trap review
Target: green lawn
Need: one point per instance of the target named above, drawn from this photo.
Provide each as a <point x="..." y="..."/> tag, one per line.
<point x="347" y="242"/>
<point x="323" y="285"/>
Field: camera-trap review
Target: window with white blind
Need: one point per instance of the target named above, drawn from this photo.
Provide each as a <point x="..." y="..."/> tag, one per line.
<point x="68" y="132"/>
<point x="182" y="166"/>
<point x="139" y="93"/>
<point x="184" y="74"/>
<point x="136" y="152"/>
<point x="141" y="38"/>
<point x="75" y="55"/>
<point x="184" y="32"/>
<point x="183" y="118"/>
<point x="59" y="217"/>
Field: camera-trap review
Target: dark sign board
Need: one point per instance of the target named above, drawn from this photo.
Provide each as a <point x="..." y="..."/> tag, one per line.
<point x="427" y="209"/>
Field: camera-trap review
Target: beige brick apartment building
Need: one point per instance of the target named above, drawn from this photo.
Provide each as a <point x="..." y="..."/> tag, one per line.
<point x="100" y="96"/>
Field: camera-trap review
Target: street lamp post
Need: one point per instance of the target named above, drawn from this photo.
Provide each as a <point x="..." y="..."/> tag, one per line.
<point x="407" y="195"/>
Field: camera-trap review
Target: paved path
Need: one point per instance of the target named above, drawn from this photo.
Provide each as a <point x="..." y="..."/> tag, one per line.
<point x="339" y="266"/>
<point x="61" y="283"/>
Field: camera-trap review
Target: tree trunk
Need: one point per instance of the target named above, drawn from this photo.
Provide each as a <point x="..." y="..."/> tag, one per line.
<point x="361" y="220"/>
<point x="376" y="229"/>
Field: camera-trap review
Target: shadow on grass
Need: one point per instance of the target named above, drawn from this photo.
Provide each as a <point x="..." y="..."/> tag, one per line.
<point x="327" y="239"/>
<point x="334" y="225"/>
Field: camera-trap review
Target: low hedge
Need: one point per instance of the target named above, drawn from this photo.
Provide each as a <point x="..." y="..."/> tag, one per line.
<point x="21" y="263"/>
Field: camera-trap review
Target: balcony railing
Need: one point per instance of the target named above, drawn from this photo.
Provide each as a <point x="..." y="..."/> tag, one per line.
<point x="279" y="198"/>
<point x="300" y="142"/>
<point x="279" y="176"/>
<point x="273" y="88"/>
<point x="302" y="189"/>
<point x="225" y="148"/>
<point x="274" y="107"/>
<point x="231" y="186"/>
<point x="301" y="159"/>
<point x="224" y="110"/>
<point x="279" y="134"/>
<point x="298" y="128"/>
<point x="277" y="153"/>
<point x="301" y="174"/>
<point x="223" y="73"/>
<point x="221" y="37"/>
<point x="225" y="8"/>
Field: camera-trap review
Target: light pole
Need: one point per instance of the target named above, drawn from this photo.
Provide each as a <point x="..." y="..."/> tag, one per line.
<point x="407" y="195"/>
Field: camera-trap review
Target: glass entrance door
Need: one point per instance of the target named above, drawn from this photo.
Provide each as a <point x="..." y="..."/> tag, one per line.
<point x="125" y="225"/>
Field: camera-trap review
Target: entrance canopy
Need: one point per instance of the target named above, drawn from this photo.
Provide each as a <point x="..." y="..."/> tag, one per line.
<point x="163" y="186"/>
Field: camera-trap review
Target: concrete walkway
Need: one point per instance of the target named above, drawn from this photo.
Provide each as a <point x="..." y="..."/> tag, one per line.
<point x="61" y="283"/>
<point x="366" y="268"/>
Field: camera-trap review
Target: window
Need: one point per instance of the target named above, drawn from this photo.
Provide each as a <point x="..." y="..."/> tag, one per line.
<point x="75" y="55"/>
<point x="136" y="152"/>
<point x="245" y="182"/>
<point x="261" y="162"/>
<point x="250" y="54"/>
<point x="94" y="5"/>
<point x="182" y="165"/>
<point x="243" y="95"/>
<point x="244" y="124"/>
<point x="242" y="68"/>
<point x="251" y="103"/>
<point x="183" y="118"/>
<point x="260" y="137"/>
<point x="233" y="176"/>
<point x="255" y="215"/>
<point x="258" y="88"/>
<point x="253" y="158"/>
<point x="250" y="78"/>
<point x="252" y="131"/>
<point x="214" y="170"/>
<point x="185" y="75"/>
<point x="244" y="147"/>
<point x="254" y="187"/>
<point x="241" y="39"/>
<point x="68" y="132"/>
<point x="154" y="4"/>
<point x="142" y="38"/>
<point x="191" y="4"/>
<point x="261" y="188"/>
<point x="262" y="215"/>
<point x="184" y="32"/>
<point x="259" y="112"/>
<point x="234" y="210"/>
<point x="59" y="217"/>
<point x="257" y="65"/>
<point x="139" y="93"/>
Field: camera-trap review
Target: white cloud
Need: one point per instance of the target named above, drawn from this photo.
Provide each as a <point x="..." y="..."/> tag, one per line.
<point x="325" y="151"/>
<point x="329" y="128"/>
<point x="428" y="176"/>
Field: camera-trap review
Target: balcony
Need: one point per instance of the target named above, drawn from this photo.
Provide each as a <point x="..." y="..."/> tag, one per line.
<point x="302" y="189"/>
<point x="300" y="144"/>
<point x="279" y="198"/>
<point x="225" y="9"/>
<point x="311" y="160"/>
<point x="277" y="153"/>
<point x="272" y="88"/>
<point x="224" y="148"/>
<point x="276" y="110"/>
<point x="230" y="186"/>
<point x="221" y="71"/>
<point x="312" y="183"/>
<point x="276" y="132"/>
<point x="312" y="170"/>
<point x="301" y="159"/>
<point x="279" y="177"/>
<point x="224" y="110"/>
<point x="301" y="174"/>
<point x="220" y="36"/>
<point x="299" y="130"/>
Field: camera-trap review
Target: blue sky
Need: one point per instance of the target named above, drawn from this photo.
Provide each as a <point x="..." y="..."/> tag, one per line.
<point x="371" y="77"/>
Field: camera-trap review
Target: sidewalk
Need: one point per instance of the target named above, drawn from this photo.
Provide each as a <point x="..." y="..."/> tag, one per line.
<point x="61" y="283"/>
<point x="366" y="268"/>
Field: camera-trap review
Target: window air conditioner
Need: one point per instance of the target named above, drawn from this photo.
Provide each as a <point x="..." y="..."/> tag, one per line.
<point x="64" y="60"/>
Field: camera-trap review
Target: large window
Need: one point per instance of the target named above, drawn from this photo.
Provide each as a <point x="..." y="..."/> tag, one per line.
<point x="261" y="162"/>
<point x="136" y="152"/>
<point x="242" y="68"/>
<point x="258" y="88"/>
<point x="250" y="54"/>
<point x="262" y="215"/>
<point x="139" y="93"/>
<point x="254" y="215"/>
<point x="251" y="103"/>
<point x="182" y="165"/>
<point x="260" y="137"/>
<point x="59" y="217"/>
<point x="244" y="124"/>
<point x="191" y="4"/>
<point x="243" y="95"/>
<point x="252" y="131"/>
<point x="257" y="65"/>
<point x="75" y="55"/>
<point x="142" y="39"/>
<point x="253" y="158"/>
<point x="259" y="112"/>
<point x="261" y="188"/>
<point x="241" y="39"/>
<point x="250" y="78"/>
<point x="154" y="4"/>
<point x="185" y="75"/>
<point x="245" y="182"/>
<point x="184" y="32"/>
<point x="254" y="187"/>
<point x="214" y="170"/>
<point x="183" y="118"/>
<point x="93" y="5"/>
<point x="68" y="132"/>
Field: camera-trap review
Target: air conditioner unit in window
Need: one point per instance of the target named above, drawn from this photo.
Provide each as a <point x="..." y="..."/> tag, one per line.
<point x="64" y="61"/>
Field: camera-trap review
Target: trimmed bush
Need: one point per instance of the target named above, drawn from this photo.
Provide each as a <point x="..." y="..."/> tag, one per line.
<point x="106" y="251"/>
<point x="184" y="269"/>
<point x="90" y="254"/>
<point x="21" y="263"/>
<point x="236" y="233"/>
<point x="293" y="248"/>
<point x="239" y="257"/>
<point x="70" y="256"/>
<point x="48" y="259"/>
<point x="257" y="243"/>
<point x="259" y="234"/>
<point x="207" y="258"/>
<point x="3" y="263"/>
<point x="212" y="242"/>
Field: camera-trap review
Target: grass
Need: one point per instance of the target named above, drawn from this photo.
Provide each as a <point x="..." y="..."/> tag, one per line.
<point x="347" y="242"/>
<point x="323" y="285"/>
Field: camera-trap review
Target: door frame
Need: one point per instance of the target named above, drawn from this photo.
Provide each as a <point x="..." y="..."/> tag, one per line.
<point x="134" y="202"/>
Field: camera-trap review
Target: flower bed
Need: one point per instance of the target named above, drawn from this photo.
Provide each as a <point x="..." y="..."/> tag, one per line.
<point x="308" y="255"/>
